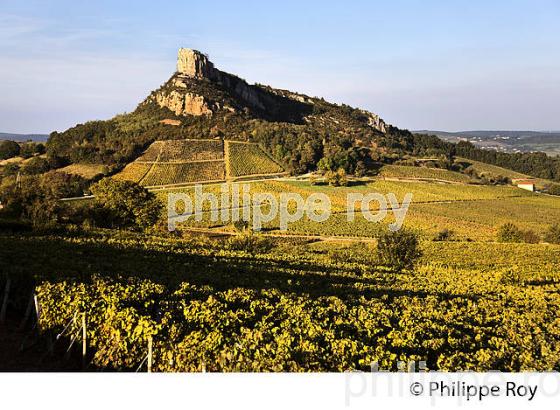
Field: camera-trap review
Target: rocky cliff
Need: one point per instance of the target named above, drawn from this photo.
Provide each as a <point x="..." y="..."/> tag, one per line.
<point x="198" y="88"/>
<point x="192" y="63"/>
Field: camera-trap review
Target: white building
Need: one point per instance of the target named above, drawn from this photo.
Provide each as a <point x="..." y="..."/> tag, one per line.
<point x="527" y="184"/>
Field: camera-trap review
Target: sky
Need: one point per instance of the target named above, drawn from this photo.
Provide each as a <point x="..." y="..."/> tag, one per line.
<point x="439" y="65"/>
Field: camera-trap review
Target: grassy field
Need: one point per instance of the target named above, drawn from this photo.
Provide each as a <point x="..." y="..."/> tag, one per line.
<point x="87" y="171"/>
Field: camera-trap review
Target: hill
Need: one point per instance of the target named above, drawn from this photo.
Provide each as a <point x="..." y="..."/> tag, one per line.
<point x="201" y="102"/>
<point x="506" y="141"/>
<point x="23" y="137"/>
<point x="176" y="162"/>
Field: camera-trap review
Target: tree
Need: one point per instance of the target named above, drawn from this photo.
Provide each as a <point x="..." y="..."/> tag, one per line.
<point x="127" y="204"/>
<point x="27" y="150"/>
<point x="554" y="190"/>
<point x="10" y="169"/>
<point x="337" y="178"/>
<point x="62" y="185"/>
<point x="36" y="165"/>
<point x="398" y="250"/>
<point x="9" y="149"/>
<point x="29" y="201"/>
<point x="361" y="169"/>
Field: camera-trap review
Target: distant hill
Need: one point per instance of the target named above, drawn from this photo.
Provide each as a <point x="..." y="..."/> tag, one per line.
<point x="505" y="141"/>
<point x="23" y="137"/>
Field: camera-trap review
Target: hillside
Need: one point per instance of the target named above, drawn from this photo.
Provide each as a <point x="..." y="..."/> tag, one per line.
<point x="505" y="141"/>
<point x="200" y="102"/>
<point x="176" y="162"/>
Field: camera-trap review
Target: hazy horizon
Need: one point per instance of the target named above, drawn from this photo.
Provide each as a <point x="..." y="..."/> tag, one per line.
<point x="419" y="65"/>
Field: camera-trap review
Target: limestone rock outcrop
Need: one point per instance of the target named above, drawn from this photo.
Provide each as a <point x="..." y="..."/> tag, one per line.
<point x="193" y="63"/>
<point x="184" y="103"/>
<point x="198" y="88"/>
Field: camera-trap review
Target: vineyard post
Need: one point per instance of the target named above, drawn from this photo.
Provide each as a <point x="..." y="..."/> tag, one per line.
<point x="150" y="354"/>
<point x="27" y="313"/>
<point x="37" y="311"/>
<point x="84" y="341"/>
<point x="5" y="301"/>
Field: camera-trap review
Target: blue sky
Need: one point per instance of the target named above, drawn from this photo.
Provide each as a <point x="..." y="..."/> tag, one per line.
<point x="449" y="65"/>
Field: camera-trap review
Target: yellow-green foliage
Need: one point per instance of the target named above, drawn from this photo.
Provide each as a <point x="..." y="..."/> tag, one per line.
<point x="187" y="161"/>
<point x="87" y="171"/>
<point x="491" y="170"/>
<point x="167" y="173"/>
<point x="209" y="308"/>
<point x="471" y="211"/>
<point x="250" y="159"/>
<point x="134" y="172"/>
<point x="403" y="171"/>
<point x="191" y="150"/>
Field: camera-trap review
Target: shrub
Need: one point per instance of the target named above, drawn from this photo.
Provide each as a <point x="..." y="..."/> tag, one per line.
<point x="240" y="225"/>
<point x="398" y="250"/>
<point x="36" y="166"/>
<point x="553" y="234"/>
<point x="9" y="149"/>
<point x="128" y="204"/>
<point x="530" y="237"/>
<point x="554" y="190"/>
<point x="444" y="235"/>
<point x="337" y="178"/>
<point x="509" y="232"/>
<point x="249" y="242"/>
<point x="10" y="169"/>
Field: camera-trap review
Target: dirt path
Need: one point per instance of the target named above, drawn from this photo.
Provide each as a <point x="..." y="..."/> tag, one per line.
<point x="152" y="167"/>
<point x="322" y="238"/>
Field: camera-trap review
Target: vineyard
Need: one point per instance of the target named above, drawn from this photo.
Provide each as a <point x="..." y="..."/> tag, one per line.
<point x="249" y="159"/>
<point x="472" y="212"/>
<point x="176" y="162"/>
<point x="409" y="172"/>
<point x="300" y="304"/>
<point x="295" y="308"/>
<point x="172" y="173"/>
<point x="134" y="171"/>
<point x="491" y="170"/>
